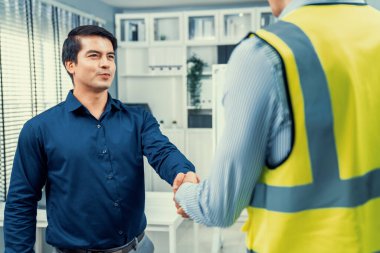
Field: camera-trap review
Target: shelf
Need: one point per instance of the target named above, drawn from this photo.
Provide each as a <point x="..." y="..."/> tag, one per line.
<point x="199" y="130"/>
<point x="204" y="107"/>
<point x="153" y="75"/>
<point x="171" y="129"/>
<point x="153" y="54"/>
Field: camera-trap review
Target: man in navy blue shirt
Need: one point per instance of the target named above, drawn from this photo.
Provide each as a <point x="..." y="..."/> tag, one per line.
<point x="88" y="153"/>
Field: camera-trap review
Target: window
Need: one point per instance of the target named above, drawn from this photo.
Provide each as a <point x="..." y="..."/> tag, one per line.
<point x="32" y="77"/>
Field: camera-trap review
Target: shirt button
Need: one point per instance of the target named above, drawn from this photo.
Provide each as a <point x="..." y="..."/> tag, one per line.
<point x="98" y="126"/>
<point x="120" y="232"/>
<point x="104" y="151"/>
<point x="116" y="204"/>
<point x="109" y="177"/>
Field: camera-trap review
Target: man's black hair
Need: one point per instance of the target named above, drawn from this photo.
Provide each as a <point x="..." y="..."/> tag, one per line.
<point x="72" y="44"/>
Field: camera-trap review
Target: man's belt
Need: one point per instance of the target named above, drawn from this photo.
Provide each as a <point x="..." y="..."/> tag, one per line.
<point x="122" y="249"/>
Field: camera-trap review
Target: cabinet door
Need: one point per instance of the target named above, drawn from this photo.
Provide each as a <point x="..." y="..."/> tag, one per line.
<point x="166" y="29"/>
<point x="201" y="28"/>
<point x="264" y="17"/>
<point x="200" y="150"/>
<point x="218" y="82"/>
<point x="132" y="29"/>
<point x="236" y="24"/>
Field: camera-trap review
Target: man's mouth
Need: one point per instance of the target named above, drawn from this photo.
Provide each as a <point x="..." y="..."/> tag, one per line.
<point x="104" y="75"/>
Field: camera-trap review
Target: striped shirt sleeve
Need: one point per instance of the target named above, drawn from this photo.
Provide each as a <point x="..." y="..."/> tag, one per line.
<point x="257" y="131"/>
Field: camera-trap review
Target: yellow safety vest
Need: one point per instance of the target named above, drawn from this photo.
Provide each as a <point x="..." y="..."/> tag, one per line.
<point x="325" y="197"/>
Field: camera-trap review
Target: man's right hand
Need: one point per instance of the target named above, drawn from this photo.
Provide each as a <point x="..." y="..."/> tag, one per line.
<point x="189" y="177"/>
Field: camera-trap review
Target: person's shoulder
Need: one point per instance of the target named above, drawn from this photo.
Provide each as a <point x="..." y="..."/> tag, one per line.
<point x="47" y="116"/>
<point x="253" y="53"/>
<point x="252" y="47"/>
<point x="133" y="109"/>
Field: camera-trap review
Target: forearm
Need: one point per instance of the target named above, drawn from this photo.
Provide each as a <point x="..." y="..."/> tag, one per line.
<point x="19" y="224"/>
<point x="219" y="200"/>
<point x="174" y="162"/>
<point x="164" y="156"/>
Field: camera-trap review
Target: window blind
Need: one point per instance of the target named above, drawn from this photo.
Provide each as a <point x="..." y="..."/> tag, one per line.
<point x="32" y="77"/>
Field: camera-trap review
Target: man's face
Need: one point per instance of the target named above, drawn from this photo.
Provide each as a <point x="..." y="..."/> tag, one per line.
<point x="95" y="67"/>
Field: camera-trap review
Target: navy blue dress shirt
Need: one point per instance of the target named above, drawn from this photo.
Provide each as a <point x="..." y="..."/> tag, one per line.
<point x="93" y="174"/>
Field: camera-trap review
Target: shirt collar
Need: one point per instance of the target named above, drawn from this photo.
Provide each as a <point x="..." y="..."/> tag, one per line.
<point x="295" y="4"/>
<point x="73" y="104"/>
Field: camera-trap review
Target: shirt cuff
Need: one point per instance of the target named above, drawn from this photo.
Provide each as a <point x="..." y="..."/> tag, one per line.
<point x="187" y="197"/>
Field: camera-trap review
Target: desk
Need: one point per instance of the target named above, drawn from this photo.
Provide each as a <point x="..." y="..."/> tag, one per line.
<point x="160" y="212"/>
<point x="162" y="216"/>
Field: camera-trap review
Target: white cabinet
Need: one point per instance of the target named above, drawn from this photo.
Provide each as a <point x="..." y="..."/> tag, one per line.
<point x="201" y="27"/>
<point x="199" y="144"/>
<point x="235" y="24"/>
<point x="166" y="29"/>
<point x="264" y="17"/>
<point x="166" y="60"/>
<point x="132" y="29"/>
<point x="152" y="68"/>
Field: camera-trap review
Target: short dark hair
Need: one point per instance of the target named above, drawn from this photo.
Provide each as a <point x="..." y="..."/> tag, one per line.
<point x="72" y="45"/>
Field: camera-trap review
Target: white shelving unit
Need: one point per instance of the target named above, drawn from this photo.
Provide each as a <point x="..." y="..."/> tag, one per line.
<point x="152" y="68"/>
<point x="235" y="24"/>
<point x="201" y="28"/>
<point x="132" y="30"/>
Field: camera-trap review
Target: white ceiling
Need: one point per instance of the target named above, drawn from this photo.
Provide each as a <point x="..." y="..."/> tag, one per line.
<point x="172" y="3"/>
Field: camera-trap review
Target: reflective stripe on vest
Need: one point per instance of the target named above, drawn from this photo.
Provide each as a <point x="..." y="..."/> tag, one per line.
<point x="327" y="189"/>
<point x="326" y="196"/>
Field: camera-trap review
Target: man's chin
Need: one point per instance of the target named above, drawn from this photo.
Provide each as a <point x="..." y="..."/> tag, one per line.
<point x="102" y="87"/>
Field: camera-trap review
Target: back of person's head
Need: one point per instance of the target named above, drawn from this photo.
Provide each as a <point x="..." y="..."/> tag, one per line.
<point x="72" y="44"/>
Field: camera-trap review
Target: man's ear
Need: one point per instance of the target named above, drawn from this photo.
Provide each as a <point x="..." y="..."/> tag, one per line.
<point x="69" y="65"/>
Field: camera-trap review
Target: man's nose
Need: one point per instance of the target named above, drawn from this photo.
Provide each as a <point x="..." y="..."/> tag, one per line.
<point x="104" y="62"/>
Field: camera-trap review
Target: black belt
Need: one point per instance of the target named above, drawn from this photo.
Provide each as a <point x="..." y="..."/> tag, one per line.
<point x="124" y="249"/>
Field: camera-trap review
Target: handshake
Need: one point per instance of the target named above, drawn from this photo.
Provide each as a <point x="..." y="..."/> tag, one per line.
<point x="189" y="177"/>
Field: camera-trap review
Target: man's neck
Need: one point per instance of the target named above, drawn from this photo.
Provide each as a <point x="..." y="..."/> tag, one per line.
<point x="95" y="102"/>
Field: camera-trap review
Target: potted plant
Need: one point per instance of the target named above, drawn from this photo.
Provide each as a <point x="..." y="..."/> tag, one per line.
<point x="195" y="67"/>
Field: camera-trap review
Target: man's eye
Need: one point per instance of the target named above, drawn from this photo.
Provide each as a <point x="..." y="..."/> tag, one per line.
<point x="111" y="56"/>
<point x="93" y="55"/>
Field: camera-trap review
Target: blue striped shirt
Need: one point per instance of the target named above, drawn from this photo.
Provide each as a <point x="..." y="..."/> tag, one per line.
<point x="257" y="131"/>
